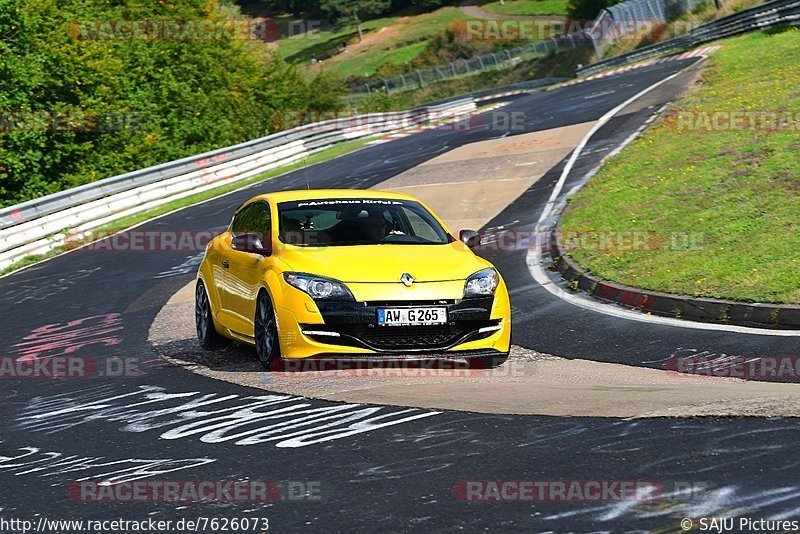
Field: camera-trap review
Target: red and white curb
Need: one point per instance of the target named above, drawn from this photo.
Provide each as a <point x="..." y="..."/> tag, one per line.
<point x="700" y="52"/>
<point x="507" y="93"/>
<point x="442" y="125"/>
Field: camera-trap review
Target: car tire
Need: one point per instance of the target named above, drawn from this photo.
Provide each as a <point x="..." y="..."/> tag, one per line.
<point x="207" y="333"/>
<point x="268" y="347"/>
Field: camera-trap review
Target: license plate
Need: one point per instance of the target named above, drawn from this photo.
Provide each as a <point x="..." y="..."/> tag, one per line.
<point x="411" y="316"/>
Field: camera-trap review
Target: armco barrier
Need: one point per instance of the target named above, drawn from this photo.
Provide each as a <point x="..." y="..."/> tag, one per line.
<point x="39" y="225"/>
<point x="763" y="16"/>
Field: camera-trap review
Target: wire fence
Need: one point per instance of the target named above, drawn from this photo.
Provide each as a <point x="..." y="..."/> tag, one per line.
<point x="770" y="14"/>
<point x="464" y="67"/>
<point x="612" y="24"/>
<point x="634" y="17"/>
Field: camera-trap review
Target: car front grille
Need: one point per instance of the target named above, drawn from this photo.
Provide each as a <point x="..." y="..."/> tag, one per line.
<point x="410" y="337"/>
<point x="403" y="338"/>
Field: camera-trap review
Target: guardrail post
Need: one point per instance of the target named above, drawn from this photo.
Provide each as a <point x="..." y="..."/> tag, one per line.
<point x="596" y="48"/>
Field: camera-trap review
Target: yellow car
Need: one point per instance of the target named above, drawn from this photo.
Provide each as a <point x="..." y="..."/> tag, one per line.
<point x="349" y="274"/>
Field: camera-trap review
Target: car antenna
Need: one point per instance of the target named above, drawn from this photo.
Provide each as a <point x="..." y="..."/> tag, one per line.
<point x="305" y="166"/>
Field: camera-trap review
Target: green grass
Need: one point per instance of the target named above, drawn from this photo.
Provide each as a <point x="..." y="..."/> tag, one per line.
<point x="370" y="63"/>
<point x="131" y="220"/>
<point x="405" y="40"/>
<point x="730" y="198"/>
<point x="528" y="7"/>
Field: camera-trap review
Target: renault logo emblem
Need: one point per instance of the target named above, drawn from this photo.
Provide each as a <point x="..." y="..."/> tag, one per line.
<point x="407" y="279"/>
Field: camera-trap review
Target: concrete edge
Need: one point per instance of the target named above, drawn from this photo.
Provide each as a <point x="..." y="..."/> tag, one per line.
<point x="707" y="310"/>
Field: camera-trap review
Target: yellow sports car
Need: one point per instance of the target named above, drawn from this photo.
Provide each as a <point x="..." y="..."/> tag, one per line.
<point x="349" y="274"/>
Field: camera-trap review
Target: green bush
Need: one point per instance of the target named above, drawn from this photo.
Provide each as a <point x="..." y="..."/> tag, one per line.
<point x="155" y="99"/>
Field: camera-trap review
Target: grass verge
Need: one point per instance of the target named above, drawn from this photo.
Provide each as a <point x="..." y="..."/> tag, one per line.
<point x="137" y="218"/>
<point x="528" y="7"/>
<point x="715" y="200"/>
<point x="387" y="41"/>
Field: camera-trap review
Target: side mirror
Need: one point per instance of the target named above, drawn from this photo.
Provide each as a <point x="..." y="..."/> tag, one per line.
<point x="471" y="238"/>
<point x="251" y="242"/>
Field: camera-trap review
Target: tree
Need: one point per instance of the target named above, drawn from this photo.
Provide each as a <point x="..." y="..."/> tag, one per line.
<point x="80" y="101"/>
<point x="352" y="12"/>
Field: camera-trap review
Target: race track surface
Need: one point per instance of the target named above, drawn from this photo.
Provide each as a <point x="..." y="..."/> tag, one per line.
<point x="376" y="468"/>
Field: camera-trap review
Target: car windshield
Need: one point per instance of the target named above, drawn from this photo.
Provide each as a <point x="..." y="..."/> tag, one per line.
<point x="341" y="222"/>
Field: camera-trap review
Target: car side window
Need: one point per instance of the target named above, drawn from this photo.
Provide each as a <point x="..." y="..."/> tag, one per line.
<point x="259" y="220"/>
<point x="240" y="220"/>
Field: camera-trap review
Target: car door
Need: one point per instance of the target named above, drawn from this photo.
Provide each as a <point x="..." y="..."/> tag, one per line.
<point x="221" y="266"/>
<point x="246" y="270"/>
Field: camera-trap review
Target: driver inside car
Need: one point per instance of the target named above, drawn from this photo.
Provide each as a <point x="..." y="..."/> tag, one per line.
<point x="358" y="226"/>
<point x="375" y="226"/>
<point x="292" y="231"/>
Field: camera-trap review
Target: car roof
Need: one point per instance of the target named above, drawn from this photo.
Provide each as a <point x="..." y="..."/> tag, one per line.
<point x="322" y="194"/>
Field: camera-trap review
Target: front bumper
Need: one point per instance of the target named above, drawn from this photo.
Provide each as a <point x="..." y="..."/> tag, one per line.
<point x="476" y="326"/>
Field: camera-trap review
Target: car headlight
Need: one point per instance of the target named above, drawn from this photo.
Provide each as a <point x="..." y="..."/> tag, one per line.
<point x="318" y="287"/>
<point x="482" y="283"/>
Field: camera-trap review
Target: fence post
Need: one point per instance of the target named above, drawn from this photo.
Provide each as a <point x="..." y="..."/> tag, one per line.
<point x="421" y="81"/>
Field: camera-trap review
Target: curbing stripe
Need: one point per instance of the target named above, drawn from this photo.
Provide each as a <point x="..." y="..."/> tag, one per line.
<point x="708" y="310"/>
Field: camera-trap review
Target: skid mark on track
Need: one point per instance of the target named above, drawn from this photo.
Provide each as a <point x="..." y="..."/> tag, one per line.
<point x="43" y="287"/>
<point x="187" y="266"/>
<point x="285" y="420"/>
<point x="34" y="461"/>
<point x="62" y="339"/>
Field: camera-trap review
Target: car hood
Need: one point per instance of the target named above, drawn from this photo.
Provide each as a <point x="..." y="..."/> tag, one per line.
<point x="386" y="263"/>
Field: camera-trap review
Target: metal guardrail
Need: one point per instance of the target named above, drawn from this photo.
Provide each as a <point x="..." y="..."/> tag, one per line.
<point x="505" y="90"/>
<point x="767" y="15"/>
<point x="39" y="207"/>
<point x="39" y="225"/>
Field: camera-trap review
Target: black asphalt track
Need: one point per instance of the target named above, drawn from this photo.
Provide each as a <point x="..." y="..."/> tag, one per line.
<point x="398" y="477"/>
